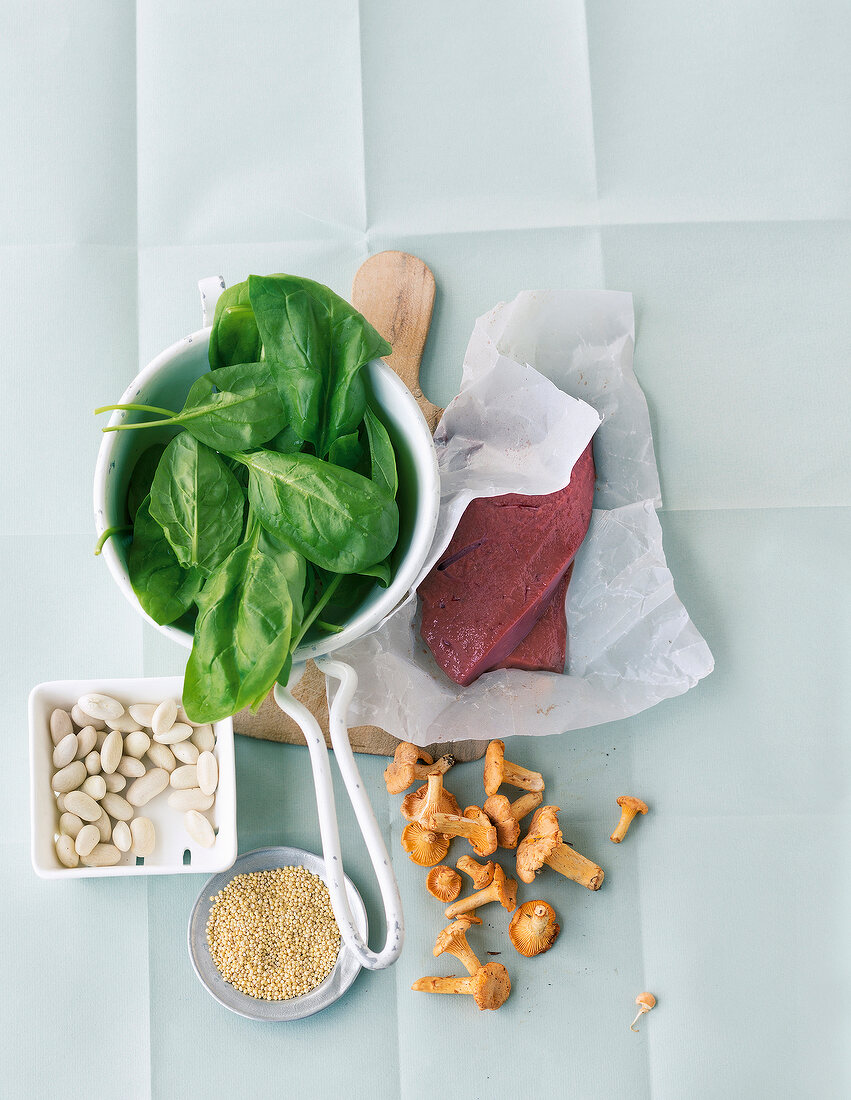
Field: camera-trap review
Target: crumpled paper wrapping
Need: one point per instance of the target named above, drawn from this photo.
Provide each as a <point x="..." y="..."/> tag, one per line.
<point x="540" y="373"/>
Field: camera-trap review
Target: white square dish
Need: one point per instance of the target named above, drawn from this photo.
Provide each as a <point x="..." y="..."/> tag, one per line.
<point x="175" y="851"/>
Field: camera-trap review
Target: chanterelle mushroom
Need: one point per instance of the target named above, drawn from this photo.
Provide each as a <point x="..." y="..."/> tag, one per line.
<point x="506" y="815"/>
<point x="533" y="928"/>
<point x="474" y="826"/>
<point x="453" y="941"/>
<point x="543" y="844"/>
<point x="443" y="883"/>
<point x="498" y="770"/>
<point x="405" y="769"/>
<point x="629" y="808"/>
<point x="421" y="804"/>
<point x="502" y="889"/>
<point x="424" y="846"/>
<point x="489" y="987"/>
<point x="481" y="874"/>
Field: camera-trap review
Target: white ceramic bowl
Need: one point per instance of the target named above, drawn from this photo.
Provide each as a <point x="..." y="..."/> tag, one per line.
<point x="165" y="382"/>
<point x="175" y="852"/>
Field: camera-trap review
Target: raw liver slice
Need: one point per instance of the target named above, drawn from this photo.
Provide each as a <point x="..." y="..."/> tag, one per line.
<point x="500" y="572"/>
<point x="544" y="649"/>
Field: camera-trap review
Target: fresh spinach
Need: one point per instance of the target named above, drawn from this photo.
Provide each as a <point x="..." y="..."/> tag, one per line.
<point x="165" y="589"/>
<point x="315" y="344"/>
<point x="336" y="518"/>
<point x="198" y="503"/>
<point x="346" y="451"/>
<point x="143" y="477"/>
<point x="248" y="614"/>
<point x="381" y="453"/>
<point x="235" y="337"/>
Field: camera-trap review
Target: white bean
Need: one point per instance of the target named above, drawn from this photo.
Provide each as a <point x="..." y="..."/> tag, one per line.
<point x="185" y="752"/>
<point x="95" y="786"/>
<point x="66" y="851"/>
<point x="199" y="828"/>
<point x="184" y="777"/>
<point x="125" y="724"/>
<point x="60" y="725"/>
<point x="70" y="777"/>
<point x="144" y="836"/>
<point x="162" y="756"/>
<point x="122" y="837"/>
<point x="115" y="806"/>
<point x="111" y="750"/>
<point x="178" y="732"/>
<point x="83" y="805"/>
<point x="104" y="826"/>
<point x="115" y="782"/>
<point x="87" y="838"/>
<point x="191" y="799"/>
<point x="136" y="744"/>
<point x="130" y="767"/>
<point x="164" y="716"/>
<point x="70" y="825"/>
<point x="80" y="719"/>
<point x="143" y="713"/>
<point x="102" y="855"/>
<point x="102" y="736"/>
<point x="65" y="751"/>
<point x="86" y="740"/>
<point x="60" y="803"/>
<point x="92" y="762"/>
<point x="149" y="786"/>
<point x="208" y="772"/>
<point x="203" y="738"/>
<point x="100" y="706"/>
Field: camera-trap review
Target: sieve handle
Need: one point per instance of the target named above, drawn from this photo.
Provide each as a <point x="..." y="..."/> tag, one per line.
<point x="325" y="806"/>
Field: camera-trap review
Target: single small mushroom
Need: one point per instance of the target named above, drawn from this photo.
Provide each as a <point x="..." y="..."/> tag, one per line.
<point x="498" y="770"/>
<point x="443" y="883"/>
<point x="424" y="846"/>
<point x="481" y="874"/>
<point x="490" y="987"/>
<point x="506" y="815"/>
<point x="533" y="928"/>
<point x="543" y="844"/>
<point x="453" y="941"/>
<point x="405" y="769"/>
<point x="422" y="803"/>
<point x="474" y="826"/>
<point x="645" y="1002"/>
<point x="629" y="808"/>
<point x="502" y="889"/>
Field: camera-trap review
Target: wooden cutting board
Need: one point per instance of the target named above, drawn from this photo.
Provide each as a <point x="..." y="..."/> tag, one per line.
<point x="395" y="292"/>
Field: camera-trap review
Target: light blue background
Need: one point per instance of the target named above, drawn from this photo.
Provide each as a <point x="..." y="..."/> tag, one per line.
<point x="698" y="156"/>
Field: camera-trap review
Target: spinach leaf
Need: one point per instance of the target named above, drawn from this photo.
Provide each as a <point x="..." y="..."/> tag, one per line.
<point x="247" y="615"/>
<point x="381" y="452"/>
<point x="315" y="344"/>
<point x="381" y="571"/>
<point x="337" y="519"/>
<point x="142" y="477"/>
<point x="165" y="589"/>
<point x="198" y="503"/>
<point x="234" y="337"/>
<point x="346" y="451"/>
<point x="286" y="442"/>
<point x="233" y="408"/>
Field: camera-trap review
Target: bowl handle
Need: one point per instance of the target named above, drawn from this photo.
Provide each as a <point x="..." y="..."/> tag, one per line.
<point x="363" y="811"/>
<point x="210" y="290"/>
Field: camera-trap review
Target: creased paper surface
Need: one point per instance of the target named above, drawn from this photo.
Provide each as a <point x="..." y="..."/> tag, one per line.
<point x="539" y="373"/>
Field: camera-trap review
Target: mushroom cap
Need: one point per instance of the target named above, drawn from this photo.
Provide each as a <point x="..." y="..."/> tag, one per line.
<point x="488" y="845"/>
<point x="646" y="1000"/>
<point x="424" y="846"/>
<point x="399" y="775"/>
<point x="453" y="933"/>
<point x="494" y="757"/>
<point x="498" y="809"/>
<point x="628" y="801"/>
<point x="491" y="986"/>
<point x="506" y="889"/>
<point x="540" y="842"/>
<point x="443" y="883"/>
<point x="525" y="932"/>
<point x="413" y="803"/>
<point x="481" y="874"/>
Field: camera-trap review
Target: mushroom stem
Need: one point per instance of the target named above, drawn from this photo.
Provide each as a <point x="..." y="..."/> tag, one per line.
<point x="525" y="804"/>
<point x="629" y="808"/>
<point x="481" y="875"/>
<point x="477" y="829"/>
<point x="466" y="956"/>
<point x="443" y="985"/>
<point x="516" y="776"/>
<point x="439" y="767"/>
<point x="539" y="919"/>
<point x="575" y="867"/>
<point x="432" y="799"/>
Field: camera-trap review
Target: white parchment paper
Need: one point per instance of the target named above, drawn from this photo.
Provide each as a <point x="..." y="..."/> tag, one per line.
<point x="540" y="374"/>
